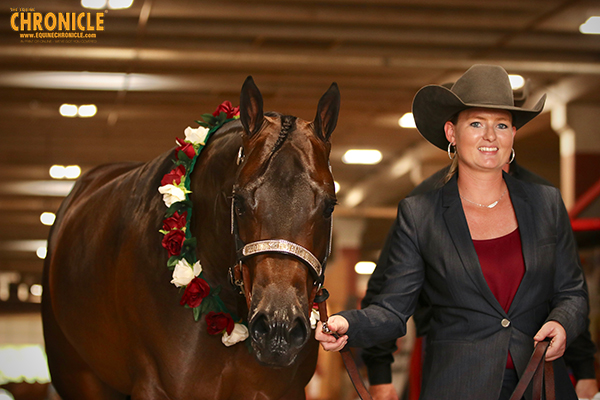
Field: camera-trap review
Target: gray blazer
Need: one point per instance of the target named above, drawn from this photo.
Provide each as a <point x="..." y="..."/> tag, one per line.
<point x="470" y="334"/>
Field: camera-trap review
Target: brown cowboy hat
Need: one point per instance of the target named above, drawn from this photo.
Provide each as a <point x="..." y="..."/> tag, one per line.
<point x="482" y="86"/>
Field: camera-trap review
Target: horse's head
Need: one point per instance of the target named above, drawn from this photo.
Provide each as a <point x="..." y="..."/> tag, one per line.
<point x="282" y="204"/>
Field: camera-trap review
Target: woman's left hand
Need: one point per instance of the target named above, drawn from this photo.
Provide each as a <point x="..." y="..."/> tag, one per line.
<point x="558" y="343"/>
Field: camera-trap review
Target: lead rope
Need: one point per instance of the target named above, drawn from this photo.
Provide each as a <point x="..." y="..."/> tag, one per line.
<point x="349" y="363"/>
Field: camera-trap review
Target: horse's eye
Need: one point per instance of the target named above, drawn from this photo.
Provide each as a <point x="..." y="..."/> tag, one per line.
<point x="328" y="210"/>
<point x="239" y="205"/>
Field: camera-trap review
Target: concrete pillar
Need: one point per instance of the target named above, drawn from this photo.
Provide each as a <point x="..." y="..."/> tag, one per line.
<point x="583" y="118"/>
<point x="577" y="125"/>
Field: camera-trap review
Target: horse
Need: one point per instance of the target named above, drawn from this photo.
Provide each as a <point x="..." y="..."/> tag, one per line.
<point x="262" y="195"/>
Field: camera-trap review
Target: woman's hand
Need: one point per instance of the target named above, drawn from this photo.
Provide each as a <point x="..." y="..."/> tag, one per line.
<point x="384" y="391"/>
<point x="337" y="324"/>
<point x="558" y="342"/>
<point x="586" y="388"/>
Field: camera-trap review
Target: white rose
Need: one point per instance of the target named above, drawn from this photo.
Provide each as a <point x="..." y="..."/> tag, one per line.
<point x="183" y="273"/>
<point x="171" y="194"/>
<point x="239" y="334"/>
<point x="197" y="268"/>
<point x="314" y="318"/>
<point x="196" y="136"/>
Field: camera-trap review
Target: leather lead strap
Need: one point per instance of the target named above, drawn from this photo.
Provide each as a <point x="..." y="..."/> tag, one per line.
<point x="349" y="362"/>
<point x="541" y="372"/>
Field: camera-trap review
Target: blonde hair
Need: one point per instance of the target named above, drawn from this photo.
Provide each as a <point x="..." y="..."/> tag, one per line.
<point x="453" y="169"/>
<point x="454" y="165"/>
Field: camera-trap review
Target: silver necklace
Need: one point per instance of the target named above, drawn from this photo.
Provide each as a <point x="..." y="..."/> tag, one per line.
<point x="494" y="204"/>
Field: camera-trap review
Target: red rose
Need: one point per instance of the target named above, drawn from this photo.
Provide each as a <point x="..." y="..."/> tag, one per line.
<point x="173" y="242"/>
<point x="195" y="292"/>
<point x="175" y="175"/>
<point x="218" y="322"/>
<point x="175" y="222"/>
<point x="187" y="148"/>
<point x="228" y="109"/>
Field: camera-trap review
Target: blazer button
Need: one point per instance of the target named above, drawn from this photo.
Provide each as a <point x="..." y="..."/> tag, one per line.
<point x="505" y="323"/>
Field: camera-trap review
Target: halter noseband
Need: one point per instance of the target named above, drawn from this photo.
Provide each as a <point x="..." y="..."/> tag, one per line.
<point x="283" y="247"/>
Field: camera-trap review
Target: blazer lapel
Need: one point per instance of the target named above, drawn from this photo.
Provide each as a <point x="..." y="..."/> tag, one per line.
<point x="524" y="214"/>
<point x="456" y="222"/>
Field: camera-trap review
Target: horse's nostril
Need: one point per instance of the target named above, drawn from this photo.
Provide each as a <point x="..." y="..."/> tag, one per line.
<point x="298" y="333"/>
<point x="259" y="326"/>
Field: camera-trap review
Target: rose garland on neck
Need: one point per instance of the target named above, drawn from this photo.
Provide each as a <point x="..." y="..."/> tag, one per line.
<point x="181" y="245"/>
<point x="178" y="240"/>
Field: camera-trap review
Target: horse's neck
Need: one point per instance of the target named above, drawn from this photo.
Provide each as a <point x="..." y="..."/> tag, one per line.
<point x="212" y="182"/>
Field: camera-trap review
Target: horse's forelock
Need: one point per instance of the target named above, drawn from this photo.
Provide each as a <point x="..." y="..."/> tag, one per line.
<point x="288" y="123"/>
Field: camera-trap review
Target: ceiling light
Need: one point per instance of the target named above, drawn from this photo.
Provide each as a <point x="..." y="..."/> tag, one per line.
<point x="95" y="4"/>
<point x="354" y="198"/>
<point x="591" y="26"/>
<point x="62" y="172"/>
<point x="68" y="110"/>
<point x="516" y="81"/>
<point x="87" y="110"/>
<point x="72" y="171"/>
<point x="58" y="188"/>
<point x="407" y="121"/>
<point x="47" y="218"/>
<point x="41" y="252"/>
<point x="84" y="80"/>
<point x="21" y="245"/>
<point x="355" y="156"/>
<point x="337" y="186"/>
<point x="57" y="171"/>
<point x="365" y="267"/>
<point x="36" y="289"/>
<point x="119" y="4"/>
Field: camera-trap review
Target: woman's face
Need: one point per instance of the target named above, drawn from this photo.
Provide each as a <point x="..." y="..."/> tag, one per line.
<point x="483" y="138"/>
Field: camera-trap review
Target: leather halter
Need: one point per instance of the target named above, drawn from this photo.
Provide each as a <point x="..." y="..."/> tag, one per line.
<point x="237" y="274"/>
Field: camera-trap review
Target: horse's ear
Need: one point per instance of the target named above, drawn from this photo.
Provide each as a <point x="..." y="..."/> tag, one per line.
<point x="327" y="112"/>
<point x="251" y="107"/>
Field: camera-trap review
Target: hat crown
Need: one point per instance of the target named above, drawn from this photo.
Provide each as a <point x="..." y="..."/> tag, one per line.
<point x="484" y="85"/>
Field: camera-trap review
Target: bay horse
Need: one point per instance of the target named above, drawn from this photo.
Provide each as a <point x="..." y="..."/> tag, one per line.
<point x="113" y="324"/>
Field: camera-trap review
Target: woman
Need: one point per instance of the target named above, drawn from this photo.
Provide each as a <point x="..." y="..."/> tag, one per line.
<point x="495" y="256"/>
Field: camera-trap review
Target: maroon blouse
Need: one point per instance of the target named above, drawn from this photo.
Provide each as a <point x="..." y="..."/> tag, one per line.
<point x="503" y="267"/>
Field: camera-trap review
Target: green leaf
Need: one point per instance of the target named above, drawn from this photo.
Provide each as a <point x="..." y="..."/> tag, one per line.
<point x="184" y="158"/>
<point x="208" y="118"/>
<point x="190" y="242"/>
<point x="209" y="304"/>
<point x="190" y="257"/>
<point x="179" y="206"/>
<point x="173" y="260"/>
<point x="204" y="307"/>
<point x="196" y="313"/>
<point x="215" y="291"/>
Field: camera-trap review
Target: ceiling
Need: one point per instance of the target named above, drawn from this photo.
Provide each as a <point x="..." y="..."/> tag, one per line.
<point x="156" y="67"/>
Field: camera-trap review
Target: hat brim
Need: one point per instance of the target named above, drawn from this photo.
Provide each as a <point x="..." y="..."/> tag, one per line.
<point x="433" y="105"/>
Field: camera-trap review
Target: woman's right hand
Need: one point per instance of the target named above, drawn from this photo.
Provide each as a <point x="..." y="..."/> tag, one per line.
<point x="338" y="325"/>
<point x="384" y="391"/>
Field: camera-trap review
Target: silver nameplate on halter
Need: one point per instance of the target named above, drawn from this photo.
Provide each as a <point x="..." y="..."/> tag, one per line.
<point x="283" y="246"/>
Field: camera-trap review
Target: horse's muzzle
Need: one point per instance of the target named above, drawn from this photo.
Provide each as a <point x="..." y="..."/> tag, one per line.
<point x="277" y="337"/>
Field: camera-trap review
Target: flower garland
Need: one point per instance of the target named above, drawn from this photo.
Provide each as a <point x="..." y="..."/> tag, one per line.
<point x="181" y="245"/>
<point x="178" y="240"/>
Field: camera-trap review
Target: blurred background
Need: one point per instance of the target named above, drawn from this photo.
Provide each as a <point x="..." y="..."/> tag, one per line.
<point x="127" y="90"/>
